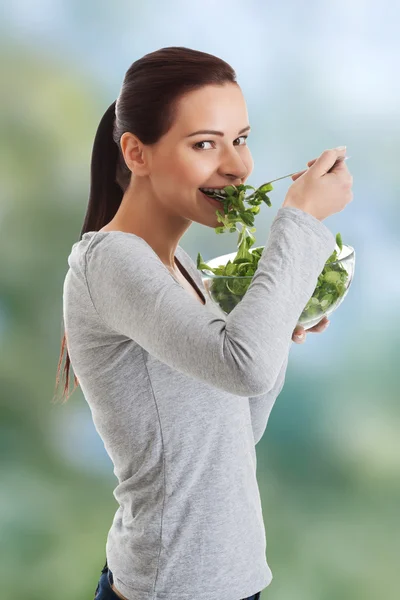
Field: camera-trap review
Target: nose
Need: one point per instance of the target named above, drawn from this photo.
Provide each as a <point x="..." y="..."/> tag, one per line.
<point x="233" y="167"/>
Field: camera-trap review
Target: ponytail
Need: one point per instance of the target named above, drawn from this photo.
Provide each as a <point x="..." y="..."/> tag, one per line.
<point x="104" y="200"/>
<point x="105" y="193"/>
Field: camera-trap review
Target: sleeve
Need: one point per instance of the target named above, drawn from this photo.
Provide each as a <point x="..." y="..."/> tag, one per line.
<point x="135" y="295"/>
<point x="261" y="406"/>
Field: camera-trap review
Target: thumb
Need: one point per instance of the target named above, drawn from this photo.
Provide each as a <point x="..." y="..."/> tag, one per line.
<point x="298" y="330"/>
<point x="326" y="161"/>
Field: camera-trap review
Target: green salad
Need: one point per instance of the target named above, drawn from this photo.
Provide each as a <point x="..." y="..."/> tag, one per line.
<point x="228" y="289"/>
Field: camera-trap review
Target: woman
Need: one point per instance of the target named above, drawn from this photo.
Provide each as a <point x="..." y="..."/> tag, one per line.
<point x="180" y="395"/>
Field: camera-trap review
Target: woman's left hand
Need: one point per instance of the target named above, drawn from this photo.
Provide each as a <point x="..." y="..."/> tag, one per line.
<point x="318" y="328"/>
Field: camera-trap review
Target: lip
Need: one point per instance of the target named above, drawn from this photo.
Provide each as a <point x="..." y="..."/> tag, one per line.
<point x="216" y="203"/>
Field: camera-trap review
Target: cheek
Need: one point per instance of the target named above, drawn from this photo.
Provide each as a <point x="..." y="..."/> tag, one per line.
<point x="193" y="168"/>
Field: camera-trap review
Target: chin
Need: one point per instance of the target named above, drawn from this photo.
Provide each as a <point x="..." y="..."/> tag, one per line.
<point x="211" y="221"/>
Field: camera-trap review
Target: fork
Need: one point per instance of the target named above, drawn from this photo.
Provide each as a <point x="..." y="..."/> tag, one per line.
<point x="338" y="160"/>
<point x="291" y="174"/>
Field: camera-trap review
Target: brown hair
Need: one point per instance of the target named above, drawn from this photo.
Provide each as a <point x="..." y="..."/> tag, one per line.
<point x="146" y="107"/>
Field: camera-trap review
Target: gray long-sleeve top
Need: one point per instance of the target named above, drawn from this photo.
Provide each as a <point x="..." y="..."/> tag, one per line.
<point x="180" y="394"/>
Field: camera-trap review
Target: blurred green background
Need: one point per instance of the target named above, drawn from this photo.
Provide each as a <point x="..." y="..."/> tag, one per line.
<point x="315" y="75"/>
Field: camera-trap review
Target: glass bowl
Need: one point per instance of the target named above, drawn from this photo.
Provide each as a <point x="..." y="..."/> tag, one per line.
<point x="335" y="279"/>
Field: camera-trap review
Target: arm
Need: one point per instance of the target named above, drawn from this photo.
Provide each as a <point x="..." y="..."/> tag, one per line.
<point x="136" y="297"/>
<point x="261" y="406"/>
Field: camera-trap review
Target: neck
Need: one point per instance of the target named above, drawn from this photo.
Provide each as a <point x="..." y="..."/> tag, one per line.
<point x="141" y="212"/>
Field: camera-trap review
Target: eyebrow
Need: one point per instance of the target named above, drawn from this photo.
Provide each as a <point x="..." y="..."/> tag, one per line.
<point x="217" y="132"/>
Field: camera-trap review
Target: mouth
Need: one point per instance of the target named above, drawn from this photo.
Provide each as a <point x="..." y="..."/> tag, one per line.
<point x="212" y="199"/>
<point x="213" y="194"/>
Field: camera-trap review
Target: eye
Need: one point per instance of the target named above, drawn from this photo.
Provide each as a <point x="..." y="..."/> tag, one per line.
<point x="212" y="142"/>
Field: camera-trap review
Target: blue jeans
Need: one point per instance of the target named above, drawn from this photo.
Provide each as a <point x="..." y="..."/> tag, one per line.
<point x="105" y="592"/>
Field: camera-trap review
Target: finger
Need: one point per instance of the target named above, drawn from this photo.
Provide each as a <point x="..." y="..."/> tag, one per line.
<point x="299" y="340"/>
<point x="320" y="327"/>
<point x="300" y="173"/>
<point x="299" y="334"/>
<point x="323" y="320"/>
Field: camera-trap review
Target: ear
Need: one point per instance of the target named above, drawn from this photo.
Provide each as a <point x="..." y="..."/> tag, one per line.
<point x="135" y="154"/>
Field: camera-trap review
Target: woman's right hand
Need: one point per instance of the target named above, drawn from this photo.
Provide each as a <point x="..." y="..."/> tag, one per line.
<point x="318" y="192"/>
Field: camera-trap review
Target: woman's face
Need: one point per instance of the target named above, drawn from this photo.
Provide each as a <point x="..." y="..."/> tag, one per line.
<point x="183" y="161"/>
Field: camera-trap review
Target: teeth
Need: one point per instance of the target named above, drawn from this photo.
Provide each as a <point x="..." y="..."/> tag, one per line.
<point x="213" y="190"/>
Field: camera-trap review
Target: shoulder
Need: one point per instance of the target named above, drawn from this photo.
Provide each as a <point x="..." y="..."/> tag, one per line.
<point x="115" y="244"/>
<point x="123" y="259"/>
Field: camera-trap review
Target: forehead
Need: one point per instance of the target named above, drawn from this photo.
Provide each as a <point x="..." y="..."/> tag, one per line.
<point x="211" y="107"/>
